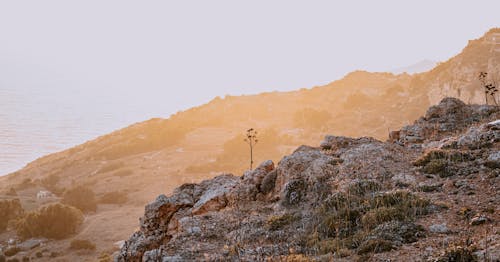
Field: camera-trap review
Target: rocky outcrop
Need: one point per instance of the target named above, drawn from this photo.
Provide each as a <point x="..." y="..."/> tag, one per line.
<point x="449" y="117"/>
<point x="346" y="198"/>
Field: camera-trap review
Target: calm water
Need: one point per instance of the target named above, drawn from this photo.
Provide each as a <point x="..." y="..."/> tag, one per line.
<point x="34" y="123"/>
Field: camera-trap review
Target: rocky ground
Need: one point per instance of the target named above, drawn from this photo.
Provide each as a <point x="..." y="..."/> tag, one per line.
<point x="429" y="193"/>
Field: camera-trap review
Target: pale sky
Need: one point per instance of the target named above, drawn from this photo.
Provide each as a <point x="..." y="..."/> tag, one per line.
<point x="183" y="53"/>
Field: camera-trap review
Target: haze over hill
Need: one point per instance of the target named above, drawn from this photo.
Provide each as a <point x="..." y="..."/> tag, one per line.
<point x="154" y="156"/>
<point x="69" y="78"/>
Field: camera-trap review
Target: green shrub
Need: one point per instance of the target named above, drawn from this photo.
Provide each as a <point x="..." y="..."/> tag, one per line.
<point x="52" y="221"/>
<point x="114" y="197"/>
<point x="82" y="198"/>
<point x="39" y="254"/>
<point x="9" y="209"/>
<point x="81" y="244"/>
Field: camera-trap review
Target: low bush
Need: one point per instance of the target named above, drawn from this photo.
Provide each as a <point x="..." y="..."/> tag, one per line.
<point x="56" y="221"/>
<point x="375" y="246"/>
<point x="82" y="198"/>
<point x="11" y="251"/>
<point x="79" y="244"/>
<point x="11" y="192"/>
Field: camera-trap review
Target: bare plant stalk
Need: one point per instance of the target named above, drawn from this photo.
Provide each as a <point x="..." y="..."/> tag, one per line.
<point x="251" y="139"/>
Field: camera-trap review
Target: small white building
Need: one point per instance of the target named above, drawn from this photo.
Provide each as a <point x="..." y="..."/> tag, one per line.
<point x="43" y="194"/>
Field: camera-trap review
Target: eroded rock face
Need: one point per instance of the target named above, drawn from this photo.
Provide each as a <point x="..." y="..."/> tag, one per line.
<point x="361" y="193"/>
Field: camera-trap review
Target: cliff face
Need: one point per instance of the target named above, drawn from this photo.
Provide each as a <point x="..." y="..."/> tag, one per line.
<point x="429" y="191"/>
<point x="458" y="77"/>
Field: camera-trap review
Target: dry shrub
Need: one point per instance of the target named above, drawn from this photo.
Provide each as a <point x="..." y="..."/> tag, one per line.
<point x="9" y="209"/>
<point x="56" y="221"/>
<point x="80" y="197"/>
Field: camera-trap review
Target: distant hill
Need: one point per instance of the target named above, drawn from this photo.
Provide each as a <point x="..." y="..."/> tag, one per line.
<point x="419" y="67"/>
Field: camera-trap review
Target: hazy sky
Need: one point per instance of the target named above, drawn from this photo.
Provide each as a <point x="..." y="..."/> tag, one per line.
<point x="181" y="53"/>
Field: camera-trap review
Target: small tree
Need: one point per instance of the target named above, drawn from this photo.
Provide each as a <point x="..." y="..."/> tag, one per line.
<point x="251" y="139"/>
<point x="490" y="87"/>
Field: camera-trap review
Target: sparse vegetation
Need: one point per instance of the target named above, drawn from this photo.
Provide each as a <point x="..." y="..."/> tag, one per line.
<point x="82" y="198"/>
<point x="52" y="221"/>
<point x="375" y="246"/>
<point x="9" y="209"/>
<point x="79" y="244"/>
<point x="114" y="197"/>
<point x="347" y="219"/>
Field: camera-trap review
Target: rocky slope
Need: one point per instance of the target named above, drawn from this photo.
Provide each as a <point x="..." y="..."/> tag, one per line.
<point x="428" y="192"/>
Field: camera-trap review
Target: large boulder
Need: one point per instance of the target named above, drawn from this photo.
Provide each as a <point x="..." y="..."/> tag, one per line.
<point x="211" y="195"/>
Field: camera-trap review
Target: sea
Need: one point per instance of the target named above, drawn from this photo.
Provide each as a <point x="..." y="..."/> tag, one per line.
<point x="37" y="122"/>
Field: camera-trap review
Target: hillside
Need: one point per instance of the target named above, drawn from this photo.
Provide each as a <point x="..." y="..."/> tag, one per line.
<point x="350" y="198"/>
<point x="155" y="156"/>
